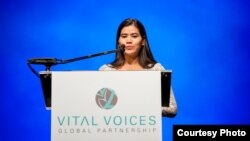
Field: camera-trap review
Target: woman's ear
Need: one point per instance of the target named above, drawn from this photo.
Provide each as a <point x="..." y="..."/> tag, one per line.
<point x="143" y="42"/>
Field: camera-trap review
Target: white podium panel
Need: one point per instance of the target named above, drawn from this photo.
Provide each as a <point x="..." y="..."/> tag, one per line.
<point x="106" y="105"/>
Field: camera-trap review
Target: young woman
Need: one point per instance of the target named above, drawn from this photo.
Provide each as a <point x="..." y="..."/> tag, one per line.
<point x="137" y="55"/>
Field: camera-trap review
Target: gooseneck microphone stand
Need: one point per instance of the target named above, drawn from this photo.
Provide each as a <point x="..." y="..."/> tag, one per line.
<point x="49" y="62"/>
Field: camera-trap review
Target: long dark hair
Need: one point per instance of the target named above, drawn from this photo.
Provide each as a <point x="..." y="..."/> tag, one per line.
<point x="146" y="58"/>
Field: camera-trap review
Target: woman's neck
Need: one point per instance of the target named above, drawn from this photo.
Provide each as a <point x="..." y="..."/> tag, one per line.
<point x="131" y="60"/>
<point x="131" y="64"/>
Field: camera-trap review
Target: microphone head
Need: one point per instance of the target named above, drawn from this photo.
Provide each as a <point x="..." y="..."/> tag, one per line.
<point x="121" y="47"/>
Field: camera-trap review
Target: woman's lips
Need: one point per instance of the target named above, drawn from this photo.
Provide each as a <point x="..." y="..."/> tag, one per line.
<point x="129" y="47"/>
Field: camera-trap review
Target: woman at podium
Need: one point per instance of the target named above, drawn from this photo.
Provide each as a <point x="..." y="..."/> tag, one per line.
<point x="135" y="54"/>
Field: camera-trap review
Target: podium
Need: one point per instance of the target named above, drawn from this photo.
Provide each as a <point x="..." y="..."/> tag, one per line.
<point x="106" y="105"/>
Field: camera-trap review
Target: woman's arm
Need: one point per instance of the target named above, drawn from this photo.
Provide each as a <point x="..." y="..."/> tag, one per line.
<point x="171" y="110"/>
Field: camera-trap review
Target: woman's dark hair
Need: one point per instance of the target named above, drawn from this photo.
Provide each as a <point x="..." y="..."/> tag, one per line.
<point x="146" y="59"/>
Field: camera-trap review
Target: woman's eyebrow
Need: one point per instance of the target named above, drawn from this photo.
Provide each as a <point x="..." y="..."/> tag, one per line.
<point x="135" y="33"/>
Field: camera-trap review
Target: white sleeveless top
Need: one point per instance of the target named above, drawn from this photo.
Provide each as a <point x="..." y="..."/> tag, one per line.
<point x="156" y="67"/>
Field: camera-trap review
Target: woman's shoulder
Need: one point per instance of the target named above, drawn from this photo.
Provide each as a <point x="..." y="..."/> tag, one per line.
<point x="157" y="67"/>
<point x="106" y="67"/>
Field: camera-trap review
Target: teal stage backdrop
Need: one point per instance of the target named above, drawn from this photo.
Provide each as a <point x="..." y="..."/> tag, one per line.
<point x="206" y="43"/>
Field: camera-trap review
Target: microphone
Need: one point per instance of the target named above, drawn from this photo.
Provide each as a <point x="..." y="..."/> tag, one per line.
<point x="121" y="47"/>
<point x="48" y="62"/>
<point x="54" y="61"/>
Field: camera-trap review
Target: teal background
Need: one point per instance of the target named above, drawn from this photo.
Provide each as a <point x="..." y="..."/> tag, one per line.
<point x="205" y="43"/>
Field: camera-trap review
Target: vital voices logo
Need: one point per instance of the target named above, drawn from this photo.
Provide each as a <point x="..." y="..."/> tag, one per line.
<point x="106" y="98"/>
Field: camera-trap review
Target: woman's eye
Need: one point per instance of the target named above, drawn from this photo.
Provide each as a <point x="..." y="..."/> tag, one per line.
<point x="134" y="35"/>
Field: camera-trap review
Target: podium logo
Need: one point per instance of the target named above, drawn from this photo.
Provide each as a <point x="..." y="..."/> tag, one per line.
<point x="106" y="98"/>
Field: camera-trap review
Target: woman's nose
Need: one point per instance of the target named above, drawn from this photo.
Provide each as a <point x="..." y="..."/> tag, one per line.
<point x="129" y="39"/>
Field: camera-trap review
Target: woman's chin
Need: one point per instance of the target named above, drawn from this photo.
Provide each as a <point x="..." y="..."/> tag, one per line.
<point x="129" y="52"/>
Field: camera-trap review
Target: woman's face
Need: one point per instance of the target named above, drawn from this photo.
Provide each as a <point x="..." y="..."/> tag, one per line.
<point x="132" y="39"/>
